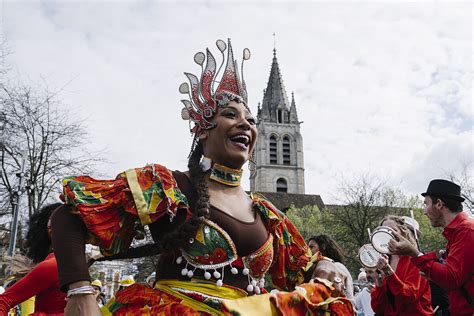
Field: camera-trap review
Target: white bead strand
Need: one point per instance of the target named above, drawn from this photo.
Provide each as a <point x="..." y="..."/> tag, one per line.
<point x="190" y="274"/>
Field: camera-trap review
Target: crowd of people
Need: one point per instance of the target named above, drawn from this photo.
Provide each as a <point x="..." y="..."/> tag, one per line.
<point x="223" y="251"/>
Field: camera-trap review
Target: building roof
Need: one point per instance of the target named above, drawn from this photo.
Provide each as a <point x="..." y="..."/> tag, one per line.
<point x="283" y="201"/>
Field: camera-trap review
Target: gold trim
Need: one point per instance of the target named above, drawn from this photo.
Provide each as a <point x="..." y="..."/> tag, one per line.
<point x="227" y="169"/>
<point x="231" y="184"/>
<point x="237" y="173"/>
<point x="223" y="293"/>
<point x="219" y="265"/>
<point x="138" y="197"/>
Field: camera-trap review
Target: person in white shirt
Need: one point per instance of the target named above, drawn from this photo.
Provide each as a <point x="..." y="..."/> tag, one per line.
<point x="363" y="298"/>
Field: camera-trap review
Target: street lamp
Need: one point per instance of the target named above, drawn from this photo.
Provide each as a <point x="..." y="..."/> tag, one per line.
<point x="15" y="204"/>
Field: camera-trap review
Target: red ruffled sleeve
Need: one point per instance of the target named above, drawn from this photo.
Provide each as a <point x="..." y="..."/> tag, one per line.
<point x="291" y="254"/>
<point x="110" y="208"/>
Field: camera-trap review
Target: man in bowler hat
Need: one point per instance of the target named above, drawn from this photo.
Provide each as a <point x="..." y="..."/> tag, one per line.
<point x="454" y="268"/>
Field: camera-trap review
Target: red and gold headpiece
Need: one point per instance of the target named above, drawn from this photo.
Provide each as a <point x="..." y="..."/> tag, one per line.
<point x="203" y="99"/>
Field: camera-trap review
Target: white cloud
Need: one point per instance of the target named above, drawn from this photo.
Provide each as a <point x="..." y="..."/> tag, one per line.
<point x="382" y="87"/>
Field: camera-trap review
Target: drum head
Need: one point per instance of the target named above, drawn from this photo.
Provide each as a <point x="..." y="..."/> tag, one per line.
<point x="380" y="238"/>
<point x="368" y="256"/>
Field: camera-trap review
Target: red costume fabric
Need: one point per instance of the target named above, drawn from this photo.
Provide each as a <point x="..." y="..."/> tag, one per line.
<point x="458" y="267"/>
<point x="42" y="282"/>
<point x="405" y="292"/>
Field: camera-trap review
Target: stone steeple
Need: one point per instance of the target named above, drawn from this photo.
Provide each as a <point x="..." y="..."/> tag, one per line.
<point x="274" y="98"/>
<point x="279" y="151"/>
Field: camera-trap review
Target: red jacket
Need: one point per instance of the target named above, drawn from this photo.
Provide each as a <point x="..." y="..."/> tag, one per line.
<point x="409" y="291"/>
<point x="458" y="268"/>
<point x="43" y="282"/>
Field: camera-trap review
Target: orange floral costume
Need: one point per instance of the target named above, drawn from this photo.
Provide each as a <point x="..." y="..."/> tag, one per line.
<point x="110" y="209"/>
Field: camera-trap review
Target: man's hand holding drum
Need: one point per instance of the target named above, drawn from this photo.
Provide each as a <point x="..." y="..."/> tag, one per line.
<point x="402" y="246"/>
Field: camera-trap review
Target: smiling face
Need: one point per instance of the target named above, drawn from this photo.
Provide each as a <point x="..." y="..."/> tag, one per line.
<point x="232" y="141"/>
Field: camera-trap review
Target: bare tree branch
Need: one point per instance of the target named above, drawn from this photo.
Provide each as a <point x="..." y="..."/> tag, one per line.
<point x="54" y="145"/>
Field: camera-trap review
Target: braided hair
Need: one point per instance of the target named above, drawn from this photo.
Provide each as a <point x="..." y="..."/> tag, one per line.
<point x="180" y="236"/>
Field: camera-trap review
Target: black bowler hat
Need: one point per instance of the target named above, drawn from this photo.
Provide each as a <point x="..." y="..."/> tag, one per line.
<point x="444" y="188"/>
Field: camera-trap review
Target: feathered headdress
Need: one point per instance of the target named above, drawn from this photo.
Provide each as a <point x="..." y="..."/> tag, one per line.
<point x="203" y="99"/>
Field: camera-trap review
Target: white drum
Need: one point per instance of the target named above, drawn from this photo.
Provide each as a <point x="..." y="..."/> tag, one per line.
<point x="380" y="238"/>
<point x="368" y="256"/>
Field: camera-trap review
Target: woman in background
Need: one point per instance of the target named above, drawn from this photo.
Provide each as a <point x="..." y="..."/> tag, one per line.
<point x="328" y="247"/>
<point x="42" y="281"/>
<point x="399" y="287"/>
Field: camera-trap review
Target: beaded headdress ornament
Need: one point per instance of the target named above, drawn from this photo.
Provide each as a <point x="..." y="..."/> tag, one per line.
<point x="203" y="98"/>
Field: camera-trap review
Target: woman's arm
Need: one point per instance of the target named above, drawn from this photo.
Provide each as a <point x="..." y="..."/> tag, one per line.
<point x="35" y="282"/>
<point x="68" y="241"/>
<point x="69" y="246"/>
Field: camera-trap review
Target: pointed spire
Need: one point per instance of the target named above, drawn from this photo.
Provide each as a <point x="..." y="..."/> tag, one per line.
<point x="293" y="113"/>
<point x="275" y="95"/>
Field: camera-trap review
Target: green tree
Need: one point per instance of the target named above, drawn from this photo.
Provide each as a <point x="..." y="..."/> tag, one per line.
<point x="309" y="220"/>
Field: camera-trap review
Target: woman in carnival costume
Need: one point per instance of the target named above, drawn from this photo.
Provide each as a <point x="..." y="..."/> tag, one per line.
<point x="42" y="281"/>
<point x="221" y="249"/>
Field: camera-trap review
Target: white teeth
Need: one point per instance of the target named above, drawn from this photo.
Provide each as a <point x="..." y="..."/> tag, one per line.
<point x="241" y="139"/>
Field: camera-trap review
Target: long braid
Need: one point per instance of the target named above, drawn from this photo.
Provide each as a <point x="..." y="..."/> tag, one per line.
<point x="199" y="182"/>
<point x="183" y="232"/>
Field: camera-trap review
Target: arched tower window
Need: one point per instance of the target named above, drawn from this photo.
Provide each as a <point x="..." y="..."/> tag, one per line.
<point x="280" y="116"/>
<point x="282" y="186"/>
<point x="286" y="151"/>
<point x="273" y="150"/>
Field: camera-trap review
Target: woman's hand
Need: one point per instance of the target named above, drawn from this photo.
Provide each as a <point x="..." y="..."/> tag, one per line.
<point x="384" y="267"/>
<point x="378" y="279"/>
<point x="79" y="305"/>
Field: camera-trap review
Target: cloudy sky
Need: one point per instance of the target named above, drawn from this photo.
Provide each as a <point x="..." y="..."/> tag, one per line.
<point x="384" y="87"/>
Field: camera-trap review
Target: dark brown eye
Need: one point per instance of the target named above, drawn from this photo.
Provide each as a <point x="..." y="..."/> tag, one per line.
<point x="252" y="120"/>
<point x="230" y="114"/>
